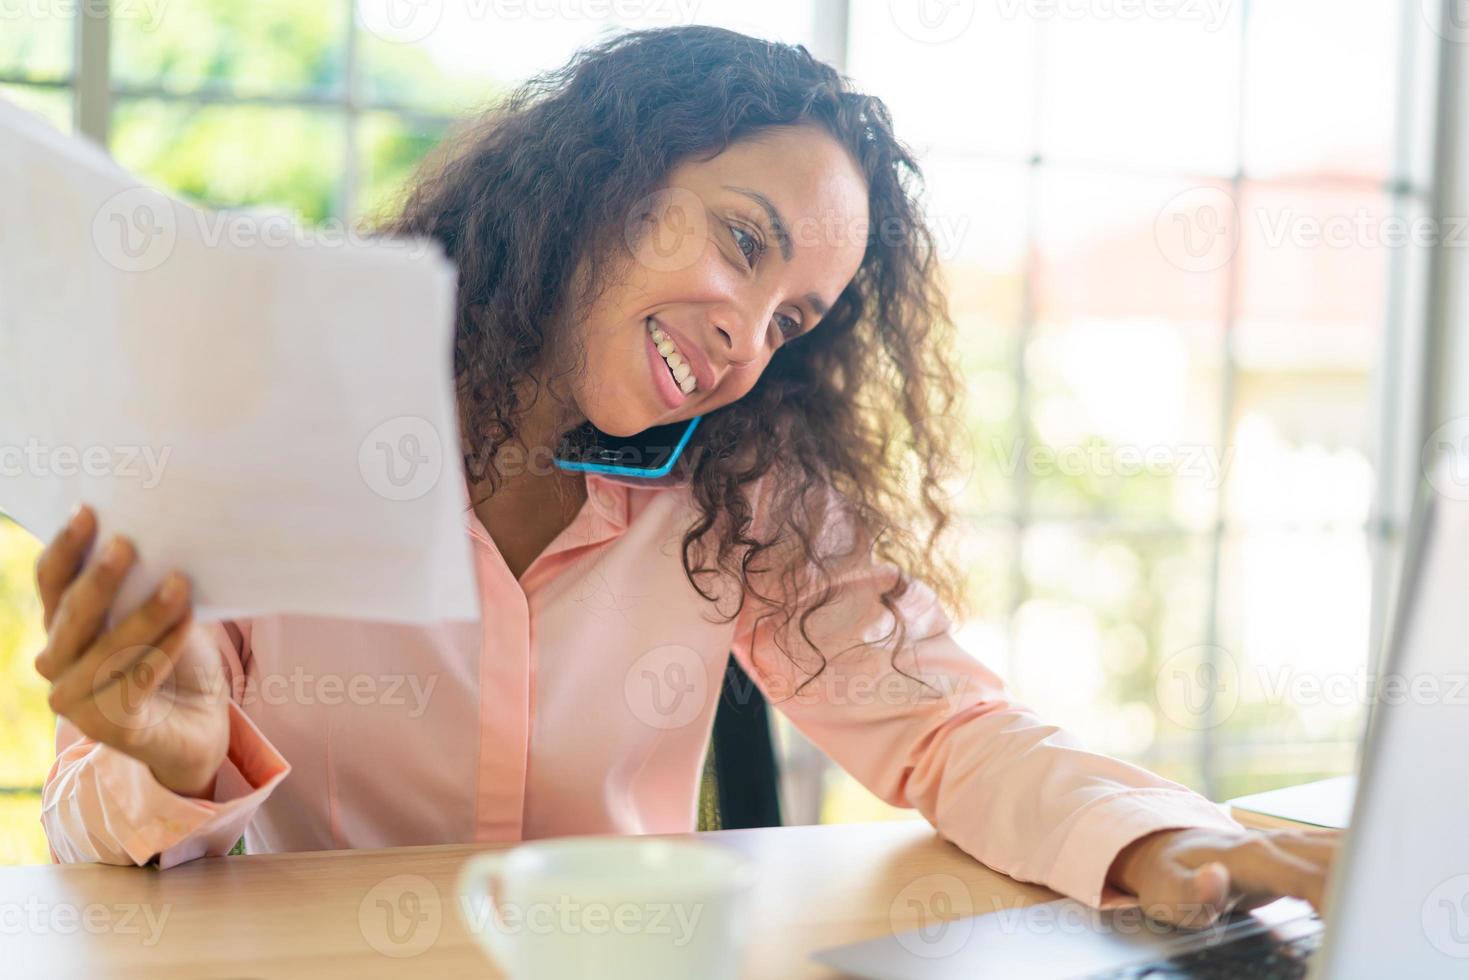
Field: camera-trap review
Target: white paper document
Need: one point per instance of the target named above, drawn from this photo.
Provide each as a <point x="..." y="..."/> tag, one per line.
<point x="266" y="408"/>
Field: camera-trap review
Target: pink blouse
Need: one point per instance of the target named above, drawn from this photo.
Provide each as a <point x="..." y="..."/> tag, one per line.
<point x="582" y="703"/>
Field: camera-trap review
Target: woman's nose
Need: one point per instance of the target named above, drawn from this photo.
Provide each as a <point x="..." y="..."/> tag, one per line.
<point x="740" y="342"/>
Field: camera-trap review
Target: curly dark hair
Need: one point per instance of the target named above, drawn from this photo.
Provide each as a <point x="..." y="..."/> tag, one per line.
<point x="538" y="189"/>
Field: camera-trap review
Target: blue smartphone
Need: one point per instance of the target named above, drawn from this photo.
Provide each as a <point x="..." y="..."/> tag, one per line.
<point x="649" y="454"/>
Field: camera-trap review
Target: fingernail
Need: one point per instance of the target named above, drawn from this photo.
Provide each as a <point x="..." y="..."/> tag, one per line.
<point x="173" y="588"/>
<point x="74" y="521"/>
<point x="115" y="556"/>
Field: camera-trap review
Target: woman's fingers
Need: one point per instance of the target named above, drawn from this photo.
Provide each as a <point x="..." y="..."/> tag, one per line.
<point x="1192" y="897"/>
<point x="122" y="711"/>
<point x="1317" y="844"/>
<point x="1260" y="866"/>
<point x="1195" y="884"/>
<point x="145" y="627"/>
<point x="61" y="558"/>
<point x="83" y="606"/>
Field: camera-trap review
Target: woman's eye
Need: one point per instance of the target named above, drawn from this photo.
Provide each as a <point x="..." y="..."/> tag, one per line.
<point x="741" y="236"/>
<point x="789" y="326"/>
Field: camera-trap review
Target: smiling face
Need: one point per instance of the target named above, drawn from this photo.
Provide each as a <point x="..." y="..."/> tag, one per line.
<point x="736" y="257"/>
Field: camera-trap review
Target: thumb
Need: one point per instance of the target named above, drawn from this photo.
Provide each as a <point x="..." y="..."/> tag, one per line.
<point x="1210" y="886"/>
<point x="1189" y="897"/>
<point x="1205" y="895"/>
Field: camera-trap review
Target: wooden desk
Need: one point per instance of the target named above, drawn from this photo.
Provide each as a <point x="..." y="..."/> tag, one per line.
<point x="315" y="914"/>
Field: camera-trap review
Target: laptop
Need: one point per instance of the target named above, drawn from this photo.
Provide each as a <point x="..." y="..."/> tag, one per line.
<point x="1399" y="894"/>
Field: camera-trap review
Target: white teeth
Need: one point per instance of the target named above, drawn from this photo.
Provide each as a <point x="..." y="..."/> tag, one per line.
<point x="683" y="375"/>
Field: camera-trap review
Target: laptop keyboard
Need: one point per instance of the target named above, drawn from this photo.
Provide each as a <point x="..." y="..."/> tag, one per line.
<point x="1262" y="956"/>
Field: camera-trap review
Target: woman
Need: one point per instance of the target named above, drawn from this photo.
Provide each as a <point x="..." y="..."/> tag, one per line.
<point x="679" y="223"/>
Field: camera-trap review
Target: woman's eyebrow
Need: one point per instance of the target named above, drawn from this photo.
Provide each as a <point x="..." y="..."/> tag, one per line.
<point x="777" y="223"/>
<point x="819" y="306"/>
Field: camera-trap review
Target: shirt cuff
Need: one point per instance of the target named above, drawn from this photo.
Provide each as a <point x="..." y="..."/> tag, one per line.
<point x="179" y="828"/>
<point x="1107" y="826"/>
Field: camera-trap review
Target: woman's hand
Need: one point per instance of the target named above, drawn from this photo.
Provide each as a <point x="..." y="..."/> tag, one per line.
<point x="153" y="686"/>
<point x="1191" y="877"/>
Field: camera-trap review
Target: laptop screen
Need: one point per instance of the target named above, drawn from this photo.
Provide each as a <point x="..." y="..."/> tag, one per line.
<point x="1406" y="909"/>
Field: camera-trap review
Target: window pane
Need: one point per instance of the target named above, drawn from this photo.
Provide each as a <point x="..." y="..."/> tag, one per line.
<point x="990" y="424"/>
<point x="1124" y="422"/>
<point x="391" y="148"/>
<point x="22" y="836"/>
<point x="1321" y="82"/>
<point x="987" y="550"/>
<point x="26" y="722"/>
<point x="52" y="104"/>
<point x="1300" y="450"/>
<point x="264" y="47"/>
<point x="1105" y="98"/>
<point x="213" y="154"/>
<point x="977" y="212"/>
<point x="1307" y="344"/>
<point x="1314" y="266"/>
<point x="1294" y="615"/>
<point x="36" y="40"/>
<point x="964" y="83"/>
<point x="1252" y="769"/>
<point x="1104" y="613"/>
<point x="1119" y="246"/>
<point x="789" y="21"/>
<point x="457" y="57"/>
<point x="1124" y="366"/>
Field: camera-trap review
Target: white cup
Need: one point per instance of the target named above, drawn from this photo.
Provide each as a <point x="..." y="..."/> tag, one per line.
<point x="609" y="908"/>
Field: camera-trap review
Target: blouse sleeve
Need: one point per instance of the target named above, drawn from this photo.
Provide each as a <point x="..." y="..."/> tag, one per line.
<point x="1020" y="794"/>
<point x="98" y="804"/>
